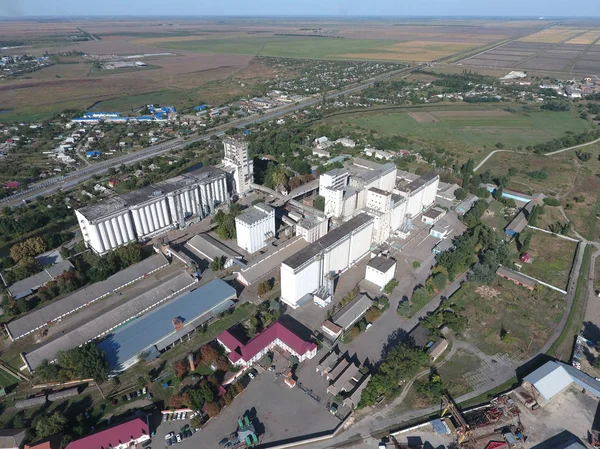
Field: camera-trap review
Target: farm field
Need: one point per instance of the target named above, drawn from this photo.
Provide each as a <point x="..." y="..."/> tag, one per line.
<point x="475" y="131"/>
<point x="504" y="307"/>
<point x="552" y="258"/>
<point x="313" y="47"/>
<point x="555" y="49"/>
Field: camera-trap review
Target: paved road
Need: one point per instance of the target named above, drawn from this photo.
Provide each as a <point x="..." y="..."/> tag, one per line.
<point x="64" y="182"/>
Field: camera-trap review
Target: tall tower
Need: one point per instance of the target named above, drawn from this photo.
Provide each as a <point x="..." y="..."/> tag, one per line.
<point x="238" y="163"/>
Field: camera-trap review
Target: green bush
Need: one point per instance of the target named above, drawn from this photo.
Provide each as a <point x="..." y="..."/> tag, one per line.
<point x="551" y="201"/>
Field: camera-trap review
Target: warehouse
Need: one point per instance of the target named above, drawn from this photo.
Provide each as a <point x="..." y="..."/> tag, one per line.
<point x="108" y="321"/>
<point x="27" y="286"/>
<point x="349" y="315"/>
<point x="305" y="272"/>
<point x="153" y="209"/>
<point x="59" y="309"/>
<point x="209" y="248"/>
<point x="380" y="271"/>
<point x="156" y="331"/>
<point x="255" y="227"/>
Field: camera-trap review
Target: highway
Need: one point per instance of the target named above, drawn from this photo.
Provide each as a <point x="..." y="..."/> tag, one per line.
<point x="64" y="182"/>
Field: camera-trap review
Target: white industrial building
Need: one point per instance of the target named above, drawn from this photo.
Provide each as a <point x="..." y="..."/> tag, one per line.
<point x="153" y="209"/>
<point x="380" y="271"/>
<point x="370" y="187"/>
<point x="312" y="228"/>
<point x="255" y="227"/>
<point x="313" y="269"/>
<point x="237" y="162"/>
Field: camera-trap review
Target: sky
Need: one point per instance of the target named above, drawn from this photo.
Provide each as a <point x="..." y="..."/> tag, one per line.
<point x="536" y="8"/>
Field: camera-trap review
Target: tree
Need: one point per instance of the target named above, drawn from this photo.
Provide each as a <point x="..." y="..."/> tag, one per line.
<point x="181" y="368"/>
<point x="87" y="361"/>
<point x="319" y="203"/>
<point x="49" y="424"/>
<point x="209" y="353"/>
<point x="263" y="288"/>
<point x="460" y="194"/>
<point x="28" y="248"/>
<point x="177" y="401"/>
<point x="213" y="409"/>
<point x="217" y="264"/>
<point x="439" y="281"/>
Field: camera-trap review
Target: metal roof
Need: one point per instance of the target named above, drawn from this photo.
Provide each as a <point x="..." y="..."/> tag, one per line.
<point x="351" y="312"/>
<point x="550" y="379"/>
<point x="254" y="214"/>
<point x="209" y="247"/>
<point x="382" y="264"/>
<point x="273" y="260"/>
<point x="26" y="286"/>
<point x="516" y="276"/>
<point x="110" y="320"/>
<point x="192" y="308"/>
<point x="57" y="309"/>
<point x="328" y="240"/>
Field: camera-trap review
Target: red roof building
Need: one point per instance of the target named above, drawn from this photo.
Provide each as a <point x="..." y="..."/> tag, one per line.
<point x="526" y="258"/>
<point x="118" y="437"/>
<point x="12" y="185"/>
<point x="275" y="335"/>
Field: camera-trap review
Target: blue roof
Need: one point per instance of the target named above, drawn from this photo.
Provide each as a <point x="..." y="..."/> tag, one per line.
<point x="193" y="308"/>
<point x="93" y="153"/>
<point x="246" y="132"/>
<point x="202" y="107"/>
<point x="159" y="115"/>
<point x="144" y="117"/>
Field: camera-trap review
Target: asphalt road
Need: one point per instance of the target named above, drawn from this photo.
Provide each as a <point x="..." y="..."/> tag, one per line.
<point x="67" y="181"/>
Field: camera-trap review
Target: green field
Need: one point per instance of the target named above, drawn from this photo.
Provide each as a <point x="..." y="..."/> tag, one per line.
<point x="286" y="46"/>
<point x="6" y="380"/>
<point x="131" y="102"/>
<point x="475" y="132"/>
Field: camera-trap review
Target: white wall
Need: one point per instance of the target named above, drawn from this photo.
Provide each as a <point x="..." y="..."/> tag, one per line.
<point x="378" y="278"/>
<point x="295" y="286"/>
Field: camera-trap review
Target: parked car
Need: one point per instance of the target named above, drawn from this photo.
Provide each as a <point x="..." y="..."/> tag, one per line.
<point x="124" y="398"/>
<point x="129" y="396"/>
<point x="369" y="326"/>
<point x="169" y="435"/>
<point x="144" y="390"/>
<point x="183" y="415"/>
<point x="149" y="396"/>
<point x="139" y="393"/>
<point x="179" y="438"/>
<point x="165" y="417"/>
<point x="169" y="442"/>
<point x="333" y="409"/>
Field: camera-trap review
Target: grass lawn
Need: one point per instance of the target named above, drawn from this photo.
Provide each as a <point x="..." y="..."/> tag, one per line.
<point x="316" y="47"/>
<point x="471" y="134"/>
<point x="7" y="380"/>
<point x="453" y="370"/>
<point x="552" y="259"/>
<point x="494" y="216"/>
<point x="513" y="309"/>
<point x="128" y="103"/>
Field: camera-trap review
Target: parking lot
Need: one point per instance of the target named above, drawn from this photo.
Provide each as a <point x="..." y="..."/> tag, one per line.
<point x="277" y="412"/>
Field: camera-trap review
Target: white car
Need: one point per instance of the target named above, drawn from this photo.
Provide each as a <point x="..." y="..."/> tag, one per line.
<point x="183" y="415"/>
<point x="179" y="438"/>
<point x="169" y="435"/>
<point x="144" y="390"/>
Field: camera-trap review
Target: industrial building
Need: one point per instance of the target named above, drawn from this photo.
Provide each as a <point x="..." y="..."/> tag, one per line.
<point x="61" y="308"/>
<point x="158" y="330"/>
<point x="276" y="335"/>
<point x="106" y="322"/>
<point x="238" y="164"/>
<point x="349" y="315"/>
<point x="255" y="227"/>
<point x="372" y="188"/>
<point x="153" y="209"/>
<point x="315" y="267"/>
<point x="209" y="248"/>
<point x="27" y="286"/>
<point x="380" y="271"/>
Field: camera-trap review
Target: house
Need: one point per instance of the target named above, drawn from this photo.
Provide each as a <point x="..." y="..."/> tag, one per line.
<point x="12" y="438"/>
<point x="442" y="246"/>
<point x="331" y="329"/>
<point x="526" y="258"/>
<point x="122" y="436"/>
<point x="517" y="278"/>
<point x="521" y="219"/>
<point x="380" y="271"/>
<point x="276" y="335"/>
<point x="440" y="230"/>
<point x="437" y="349"/>
<point x="89" y="154"/>
<point x="12" y="185"/>
<point x="349" y="315"/>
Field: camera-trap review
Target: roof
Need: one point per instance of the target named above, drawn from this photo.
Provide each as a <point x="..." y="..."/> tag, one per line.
<point x="518" y="223"/>
<point x="53" y="442"/>
<point x="328" y="362"/>
<point x="382" y="264"/>
<point x="264" y="339"/>
<point x="327" y="241"/>
<point x="149" y="193"/>
<point x="113" y="436"/>
<point x="41" y="317"/>
<point x="273" y="260"/>
<point x="26" y="286"/>
<point x="550" y="379"/>
<point x="209" y="247"/>
<point x="193" y="308"/>
<point x="254" y="214"/>
<point x="351" y="312"/>
<point x="379" y="191"/>
<point x="12" y="438"/>
<point x="516" y="276"/>
<point x="420" y="181"/>
<point x="109" y="320"/>
<point x="433" y="213"/>
<point x="332" y="327"/>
